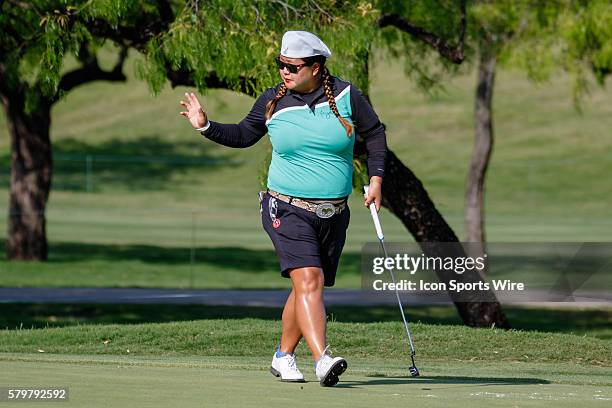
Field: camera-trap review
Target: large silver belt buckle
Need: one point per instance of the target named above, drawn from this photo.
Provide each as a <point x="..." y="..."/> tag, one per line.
<point x="325" y="210"/>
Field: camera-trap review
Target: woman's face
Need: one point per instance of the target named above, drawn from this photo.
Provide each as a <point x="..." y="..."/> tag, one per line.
<point x="304" y="80"/>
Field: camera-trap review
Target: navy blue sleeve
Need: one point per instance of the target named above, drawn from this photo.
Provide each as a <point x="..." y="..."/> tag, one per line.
<point x="246" y="133"/>
<point x="369" y="127"/>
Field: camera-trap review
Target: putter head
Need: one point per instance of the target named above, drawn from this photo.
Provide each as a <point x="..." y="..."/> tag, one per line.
<point x="414" y="371"/>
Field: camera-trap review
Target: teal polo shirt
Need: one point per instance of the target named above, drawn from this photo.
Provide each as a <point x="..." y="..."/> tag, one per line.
<point x="312" y="156"/>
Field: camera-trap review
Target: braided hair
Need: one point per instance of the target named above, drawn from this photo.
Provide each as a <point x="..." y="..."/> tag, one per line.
<point x="327" y="88"/>
<point x="272" y="102"/>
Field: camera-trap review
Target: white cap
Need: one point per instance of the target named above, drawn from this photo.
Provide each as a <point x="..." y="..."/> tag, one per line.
<point x="300" y="44"/>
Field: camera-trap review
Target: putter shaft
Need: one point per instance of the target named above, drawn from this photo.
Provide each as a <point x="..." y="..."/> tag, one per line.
<point x="381" y="238"/>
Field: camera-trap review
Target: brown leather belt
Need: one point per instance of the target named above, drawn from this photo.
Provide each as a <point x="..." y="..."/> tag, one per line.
<point x="322" y="208"/>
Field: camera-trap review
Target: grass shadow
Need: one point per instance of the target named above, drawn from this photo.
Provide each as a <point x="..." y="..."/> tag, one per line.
<point x="253" y="260"/>
<point x="221" y="257"/>
<point x="147" y="163"/>
<point x="454" y="381"/>
<point x="39" y="315"/>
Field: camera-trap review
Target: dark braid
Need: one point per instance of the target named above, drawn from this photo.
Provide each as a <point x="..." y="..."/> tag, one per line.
<point x="327" y="86"/>
<point x="272" y="103"/>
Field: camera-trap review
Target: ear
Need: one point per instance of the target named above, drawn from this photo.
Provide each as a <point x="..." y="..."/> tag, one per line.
<point x="316" y="68"/>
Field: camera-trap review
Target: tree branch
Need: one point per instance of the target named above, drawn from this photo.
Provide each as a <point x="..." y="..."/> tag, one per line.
<point x="4" y="89"/>
<point x="138" y="35"/>
<point x="184" y="77"/>
<point x="329" y="17"/>
<point x="91" y="71"/>
<point x="13" y="14"/>
<point x="463" y="26"/>
<point x="165" y="12"/>
<point x="287" y="7"/>
<point x="128" y="36"/>
<point x="454" y="53"/>
<point x="85" y="56"/>
<point x="23" y="5"/>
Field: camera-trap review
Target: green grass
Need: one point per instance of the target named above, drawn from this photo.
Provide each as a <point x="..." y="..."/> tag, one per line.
<point x="590" y="322"/>
<point x="79" y="264"/>
<point x="222" y="362"/>
<point x="101" y="381"/>
<point x="256" y="337"/>
<point x="95" y="265"/>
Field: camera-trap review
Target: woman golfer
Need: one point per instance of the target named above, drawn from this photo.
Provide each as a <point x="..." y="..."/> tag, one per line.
<point x="311" y="118"/>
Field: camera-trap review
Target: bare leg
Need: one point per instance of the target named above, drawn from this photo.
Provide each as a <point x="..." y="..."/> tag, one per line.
<point x="292" y="334"/>
<point x="309" y="307"/>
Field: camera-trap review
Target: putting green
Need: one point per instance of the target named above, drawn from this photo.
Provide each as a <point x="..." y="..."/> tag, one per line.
<point x="96" y="381"/>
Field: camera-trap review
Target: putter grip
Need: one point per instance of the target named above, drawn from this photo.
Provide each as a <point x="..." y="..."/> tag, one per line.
<point x="379" y="231"/>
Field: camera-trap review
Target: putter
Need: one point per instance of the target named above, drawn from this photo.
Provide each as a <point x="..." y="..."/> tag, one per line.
<point x="414" y="371"/>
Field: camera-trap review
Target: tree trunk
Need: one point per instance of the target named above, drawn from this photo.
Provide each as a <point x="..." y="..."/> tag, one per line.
<point x="483" y="146"/>
<point x="31" y="164"/>
<point x="406" y="197"/>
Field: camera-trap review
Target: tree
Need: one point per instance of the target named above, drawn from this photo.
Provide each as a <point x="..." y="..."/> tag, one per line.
<point x="569" y="35"/>
<point x="36" y="36"/>
<point x="221" y="45"/>
<point x="537" y="36"/>
<point x="444" y="33"/>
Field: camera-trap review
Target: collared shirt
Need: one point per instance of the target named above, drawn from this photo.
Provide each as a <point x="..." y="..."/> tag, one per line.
<point x="310" y="99"/>
<point x="300" y="164"/>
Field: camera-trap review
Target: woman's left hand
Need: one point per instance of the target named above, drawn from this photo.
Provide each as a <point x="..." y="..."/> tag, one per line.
<point x="374" y="192"/>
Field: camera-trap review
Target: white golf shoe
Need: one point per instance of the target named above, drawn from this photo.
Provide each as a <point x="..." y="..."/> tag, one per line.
<point x="329" y="368"/>
<point x="286" y="368"/>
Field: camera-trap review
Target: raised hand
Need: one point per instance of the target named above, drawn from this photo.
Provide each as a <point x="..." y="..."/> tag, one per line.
<point x="195" y="113"/>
